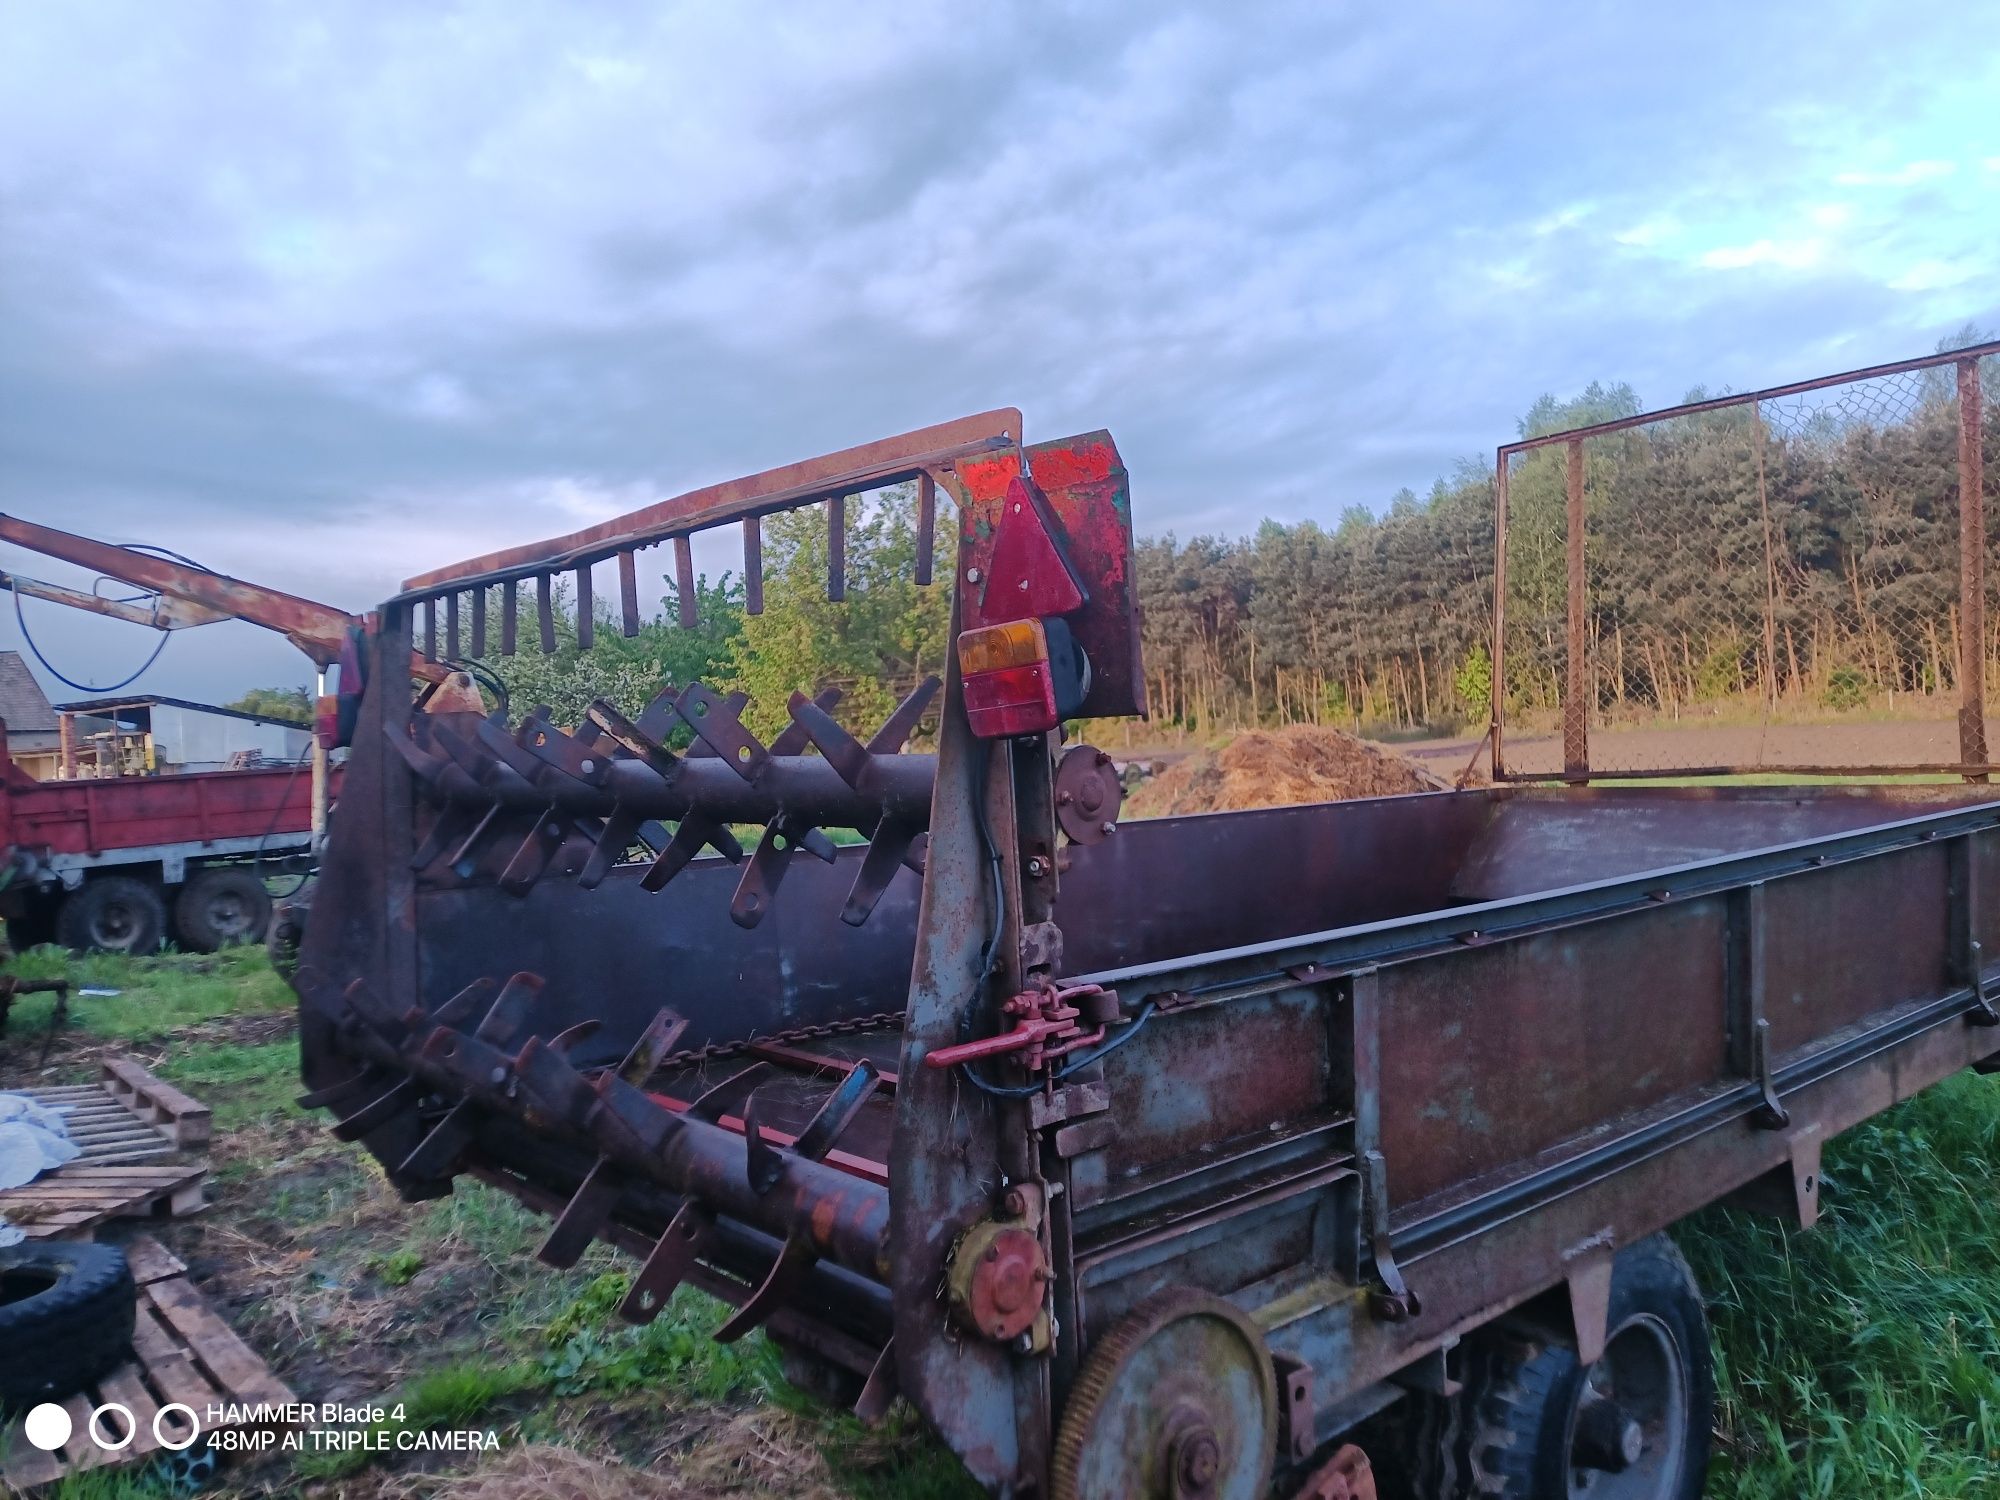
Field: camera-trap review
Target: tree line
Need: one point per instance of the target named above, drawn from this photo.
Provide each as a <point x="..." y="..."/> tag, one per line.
<point x="1801" y="556"/>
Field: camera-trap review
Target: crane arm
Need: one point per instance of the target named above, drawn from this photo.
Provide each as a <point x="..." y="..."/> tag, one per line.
<point x="316" y="629"/>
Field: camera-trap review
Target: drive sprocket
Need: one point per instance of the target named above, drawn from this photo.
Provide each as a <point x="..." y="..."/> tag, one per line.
<point x="1179" y="1401"/>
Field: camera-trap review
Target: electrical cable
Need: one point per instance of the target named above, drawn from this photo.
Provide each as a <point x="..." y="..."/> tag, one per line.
<point x="485" y="676"/>
<point x="21" y="620"/>
<point x="303" y="759"/>
<point x="1076" y="1063"/>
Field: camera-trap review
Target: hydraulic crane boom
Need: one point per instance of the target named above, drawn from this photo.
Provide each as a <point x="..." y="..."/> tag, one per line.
<point x="187" y="595"/>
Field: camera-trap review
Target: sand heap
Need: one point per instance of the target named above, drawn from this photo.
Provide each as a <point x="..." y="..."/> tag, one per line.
<point x="1276" y="767"/>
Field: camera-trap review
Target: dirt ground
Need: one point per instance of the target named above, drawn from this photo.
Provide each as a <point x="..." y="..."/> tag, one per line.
<point x="1273" y="767"/>
<point x="1773" y="747"/>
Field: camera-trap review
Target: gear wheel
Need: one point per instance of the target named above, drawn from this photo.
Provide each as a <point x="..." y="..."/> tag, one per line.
<point x="1179" y="1401"/>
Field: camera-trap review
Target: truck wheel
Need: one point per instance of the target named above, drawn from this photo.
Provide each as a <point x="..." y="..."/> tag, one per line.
<point x="66" y="1314"/>
<point x="222" y="906"/>
<point x="1632" y="1426"/>
<point x="113" y="914"/>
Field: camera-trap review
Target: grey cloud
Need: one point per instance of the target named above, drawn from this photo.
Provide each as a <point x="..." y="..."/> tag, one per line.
<point x="349" y="291"/>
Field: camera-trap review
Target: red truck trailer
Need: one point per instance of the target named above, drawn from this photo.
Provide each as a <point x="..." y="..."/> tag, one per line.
<point x="124" y="863"/>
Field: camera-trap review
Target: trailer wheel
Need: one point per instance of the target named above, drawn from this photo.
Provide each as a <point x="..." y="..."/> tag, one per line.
<point x="65" y="1318"/>
<point x="221" y="906"/>
<point x="1632" y="1426"/>
<point x="113" y="914"/>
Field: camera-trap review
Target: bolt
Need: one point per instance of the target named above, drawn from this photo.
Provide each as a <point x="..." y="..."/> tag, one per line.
<point x="586" y="765"/>
<point x="1063" y="799"/>
<point x="498" y="1076"/>
<point x="1107" y="828"/>
<point x="1016" y="1202"/>
<point x="1037" y="866"/>
<point x="992" y="1252"/>
<point x="1025" y="1344"/>
<point x="972" y="575"/>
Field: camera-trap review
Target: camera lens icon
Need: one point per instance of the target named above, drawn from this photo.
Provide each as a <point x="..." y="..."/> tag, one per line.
<point x="110" y="1426"/>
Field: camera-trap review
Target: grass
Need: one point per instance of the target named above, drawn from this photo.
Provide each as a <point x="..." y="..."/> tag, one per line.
<point x="1859" y="1358"/>
<point x="157" y="996"/>
<point x="1863" y="1357"/>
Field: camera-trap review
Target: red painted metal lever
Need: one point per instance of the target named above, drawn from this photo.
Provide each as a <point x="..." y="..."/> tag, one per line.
<point x="1045" y="1028"/>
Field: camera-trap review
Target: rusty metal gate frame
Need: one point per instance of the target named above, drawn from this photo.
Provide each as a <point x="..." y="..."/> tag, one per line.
<point x="1974" y="762"/>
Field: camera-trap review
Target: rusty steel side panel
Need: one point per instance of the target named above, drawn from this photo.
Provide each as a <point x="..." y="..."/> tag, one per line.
<point x="1493" y="1055"/>
<point x="1466" y="1281"/>
<point x="1190" y="1084"/>
<point x="1840" y="944"/>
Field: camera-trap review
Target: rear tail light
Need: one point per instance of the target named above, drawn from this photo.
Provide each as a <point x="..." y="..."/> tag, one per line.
<point x="1009" y="688"/>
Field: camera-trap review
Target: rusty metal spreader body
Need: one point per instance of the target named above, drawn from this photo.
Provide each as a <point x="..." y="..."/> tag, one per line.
<point x="1142" y="1159"/>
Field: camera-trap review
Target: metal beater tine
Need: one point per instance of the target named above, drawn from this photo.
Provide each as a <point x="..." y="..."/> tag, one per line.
<point x="847" y="755"/>
<point x="718" y="725"/>
<point x="643" y="746"/>
<point x="900" y="725"/>
<point x="887" y="852"/>
<point x="833" y="1117"/>
<point x="583" y="1217"/>
<point x="652" y="1044"/>
<point x="687" y="1237"/>
<point x="510" y="1009"/>
<point x="793" y="739"/>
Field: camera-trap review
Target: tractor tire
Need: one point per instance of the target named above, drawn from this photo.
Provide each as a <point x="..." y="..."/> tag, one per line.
<point x="66" y="1317"/>
<point x="1545" y="1424"/>
<point x="221" y="906"/>
<point x="113" y="914"/>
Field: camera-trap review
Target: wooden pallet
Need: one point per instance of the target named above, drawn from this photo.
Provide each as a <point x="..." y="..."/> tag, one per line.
<point x="111" y="1132"/>
<point x="186" y="1121"/>
<point x="72" y="1201"/>
<point x="181" y="1351"/>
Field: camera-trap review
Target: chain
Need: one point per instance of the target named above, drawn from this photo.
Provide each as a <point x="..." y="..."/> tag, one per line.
<point x="688" y="1057"/>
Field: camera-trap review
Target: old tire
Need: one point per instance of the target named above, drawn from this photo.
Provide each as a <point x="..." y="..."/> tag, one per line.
<point x="66" y="1313"/>
<point x="220" y="907"/>
<point x="1632" y="1426"/>
<point x="113" y="914"/>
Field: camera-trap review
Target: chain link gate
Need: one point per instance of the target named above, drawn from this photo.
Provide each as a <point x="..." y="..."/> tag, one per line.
<point x="1792" y="580"/>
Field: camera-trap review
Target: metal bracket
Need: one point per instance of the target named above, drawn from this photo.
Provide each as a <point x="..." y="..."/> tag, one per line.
<point x="1771" y="1113"/>
<point x="1982" y="1012"/>
<point x="1392" y="1301"/>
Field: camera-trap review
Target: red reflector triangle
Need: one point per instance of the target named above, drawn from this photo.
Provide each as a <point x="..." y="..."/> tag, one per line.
<point x="1029" y="578"/>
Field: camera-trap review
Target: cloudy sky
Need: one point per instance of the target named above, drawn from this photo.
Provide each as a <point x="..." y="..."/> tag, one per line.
<point x="326" y="293"/>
